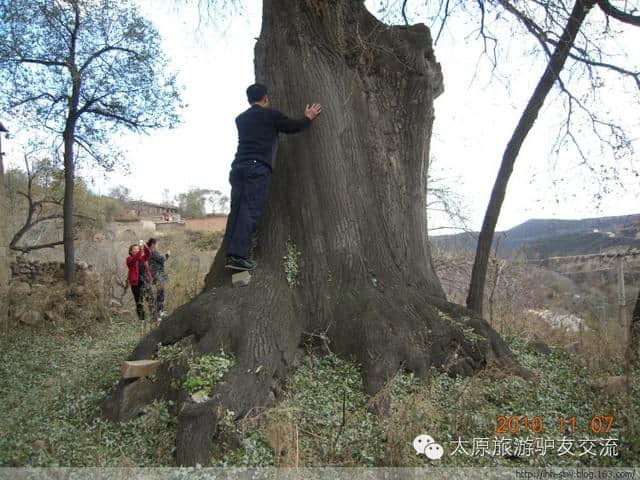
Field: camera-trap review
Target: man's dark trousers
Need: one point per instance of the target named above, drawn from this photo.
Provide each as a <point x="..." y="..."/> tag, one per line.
<point x="249" y="185"/>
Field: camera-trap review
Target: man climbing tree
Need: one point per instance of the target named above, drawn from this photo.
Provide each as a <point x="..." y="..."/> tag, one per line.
<point x="343" y="239"/>
<point x="258" y="129"/>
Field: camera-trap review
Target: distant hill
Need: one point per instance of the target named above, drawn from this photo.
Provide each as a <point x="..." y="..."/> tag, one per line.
<point x="540" y="238"/>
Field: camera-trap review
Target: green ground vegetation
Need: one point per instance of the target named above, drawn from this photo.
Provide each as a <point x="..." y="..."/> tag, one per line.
<point x="52" y="380"/>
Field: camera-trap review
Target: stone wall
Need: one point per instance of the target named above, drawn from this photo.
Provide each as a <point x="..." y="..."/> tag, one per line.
<point x="37" y="293"/>
<point x="46" y="272"/>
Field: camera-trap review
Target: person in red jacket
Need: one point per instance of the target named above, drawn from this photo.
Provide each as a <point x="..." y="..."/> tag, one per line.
<point x="139" y="275"/>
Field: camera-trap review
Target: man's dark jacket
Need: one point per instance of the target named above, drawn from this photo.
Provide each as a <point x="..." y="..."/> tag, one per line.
<point x="156" y="262"/>
<point x="258" y="130"/>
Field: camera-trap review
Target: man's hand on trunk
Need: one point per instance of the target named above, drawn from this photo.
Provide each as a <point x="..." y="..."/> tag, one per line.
<point x="313" y="111"/>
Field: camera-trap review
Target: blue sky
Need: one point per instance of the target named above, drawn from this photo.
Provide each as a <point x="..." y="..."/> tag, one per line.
<point x="474" y="120"/>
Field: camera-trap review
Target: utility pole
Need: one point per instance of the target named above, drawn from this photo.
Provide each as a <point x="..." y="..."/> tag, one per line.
<point x="621" y="294"/>
<point x="625" y="328"/>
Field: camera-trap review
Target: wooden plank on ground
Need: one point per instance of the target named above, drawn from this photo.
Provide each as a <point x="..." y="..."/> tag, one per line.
<point x="139" y="368"/>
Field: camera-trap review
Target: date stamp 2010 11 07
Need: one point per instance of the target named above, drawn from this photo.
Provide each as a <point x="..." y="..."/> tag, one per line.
<point x="598" y="424"/>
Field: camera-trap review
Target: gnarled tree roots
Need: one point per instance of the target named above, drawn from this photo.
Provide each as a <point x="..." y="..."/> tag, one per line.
<point x="382" y="330"/>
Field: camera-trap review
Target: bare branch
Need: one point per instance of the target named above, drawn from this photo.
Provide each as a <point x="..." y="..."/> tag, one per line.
<point x="485" y="36"/>
<point x="92" y="100"/>
<point x="525" y="123"/>
<point x="46" y="218"/>
<point x="119" y="118"/>
<point x="529" y="24"/>
<point x="87" y="147"/>
<point x="27" y="249"/>
<point x="35" y="208"/>
<point x="41" y="61"/>
<point x="545" y="40"/>
<point x="35" y="98"/>
<point x="404" y="12"/>
<point x="104" y="50"/>
<point x="584" y="59"/>
<point x="618" y="14"/>
<point x="444" y="20"/>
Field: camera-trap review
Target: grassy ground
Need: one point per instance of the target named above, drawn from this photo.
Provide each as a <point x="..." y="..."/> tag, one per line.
<point x="327" y="419"/>
<point x="53" y="379"/>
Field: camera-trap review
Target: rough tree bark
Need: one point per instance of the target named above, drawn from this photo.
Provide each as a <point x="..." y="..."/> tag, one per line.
<point x="67" y="206"/>
<point x="348" y="195"/>
<point x="69" y="160"/>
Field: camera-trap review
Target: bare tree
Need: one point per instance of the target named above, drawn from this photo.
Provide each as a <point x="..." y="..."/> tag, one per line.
<point x="443" y="201"/>
<point x="559" y="50"/>
<point x="82" y="69"/>
<point x="528" y="118"/>
<point x="37" y="213"/>
<point x="218" y="201"/>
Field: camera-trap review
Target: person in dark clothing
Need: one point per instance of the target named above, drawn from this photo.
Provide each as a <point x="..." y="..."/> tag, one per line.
<point x="258" y="130"/>
<point x="159" y="276"/>
<point x="139" y="275"/>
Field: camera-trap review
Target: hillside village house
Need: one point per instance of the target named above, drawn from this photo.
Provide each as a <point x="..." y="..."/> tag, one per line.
<point x="154" y="211"/>
<point x="166" y="218"/>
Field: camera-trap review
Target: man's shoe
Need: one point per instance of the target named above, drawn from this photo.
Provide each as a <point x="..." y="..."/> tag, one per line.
<point x="240" y="264"/>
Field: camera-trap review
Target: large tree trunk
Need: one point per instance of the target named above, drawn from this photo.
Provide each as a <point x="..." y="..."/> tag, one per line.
<point x="67" y="210"/>
<point x="69" y="161"/>
<point x="348" y="197"/>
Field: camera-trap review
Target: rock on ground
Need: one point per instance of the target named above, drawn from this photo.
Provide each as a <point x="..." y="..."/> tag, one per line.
<point x="241" y="279"/>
